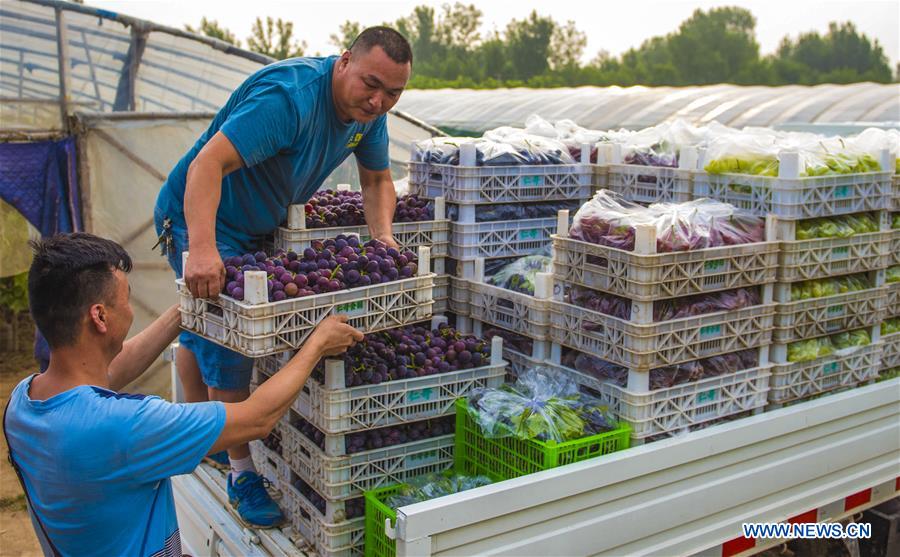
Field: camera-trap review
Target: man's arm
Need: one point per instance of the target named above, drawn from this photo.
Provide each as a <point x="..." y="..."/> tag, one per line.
<point x="142" y="349"/>
<point x="379" y="203"/>
<point x="204" y="273"/>
<point x="255" y="417"/>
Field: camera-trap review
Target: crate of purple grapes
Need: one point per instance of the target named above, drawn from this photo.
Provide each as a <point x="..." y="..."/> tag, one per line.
<point x="271" y="304"/>
<point x="514" y="238"/>
<point x="329" y="214"/>
<point x="394" y="377"/>
<point x="332" y="528"/>
<point x="344" y="465"/>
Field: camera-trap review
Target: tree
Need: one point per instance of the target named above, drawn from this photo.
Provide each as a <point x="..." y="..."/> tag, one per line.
<point x="566" y="46"/>
<point x="275" y="39"/>
<point x="528" y="45"/>
<point x="713" y="47"/>
<point x="211" y="28"/>
<point x="458" y="26"/>
<point x="345" y="36"/>
<point x="841" y="56"/>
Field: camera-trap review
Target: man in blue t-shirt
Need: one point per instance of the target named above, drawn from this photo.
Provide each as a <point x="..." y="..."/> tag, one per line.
<point x="95" y="463"/>
<point x="279" y="136"/>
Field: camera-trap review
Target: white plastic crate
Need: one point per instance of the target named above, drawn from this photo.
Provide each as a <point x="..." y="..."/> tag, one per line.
<point x="458" y="302"/>
<point x="501" y="184"/>
<point x="647" y="346"/>
<point x="683" y="406"/>
<point x="650" y="184"/>
<point x="269" y="464"/>
<point x="519" y="362"/>
<point x="895" y="192"/>
<point x="509" y="238"/>
<point x="892" y="308"/>
<point x="333" y="408"/>
<point x="514" y="311"/>
<point x="648" y="277"/>
<point x="410" y="235"/>
<point x="894" y="249"/>
<point x="816" y="317"/>
<point x="844" y="368"/>
<point x="343" y="538"/>
<point x="827" y="257"/>
<point x="890" y="357"/>
<point x="347" y="476"/>
<point x="266" y="328"/>
<point x="441" y="294"/>
<point x="798" y="198"/>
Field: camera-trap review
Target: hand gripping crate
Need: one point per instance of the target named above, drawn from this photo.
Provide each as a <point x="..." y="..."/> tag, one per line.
<point x="827" y="257"/>
<point x="255" y="327"/>
<point x="645" y="276"/>
<point x="644" y="346"/>
<point x="845" y="368"/>
<point x="816" y="317"/>
<point x="674" y="409"/>
<point x="893" y="300"/>
<point x="330" y="537"/>
<point x="434" y="234"/>
<point x="652" y="184"/>
<point x="469" y="184"/>
<point x="791" y="196"/>
<point x="521" y="313"/>
<point x="334" y="408"/>
<point x="342" y="476"/>
<point x="890" y="357"/>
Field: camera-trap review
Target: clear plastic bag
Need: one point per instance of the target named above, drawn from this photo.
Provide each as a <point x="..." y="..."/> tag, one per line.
<point x="851" y="339"/>
<point x="433" y="486"/>
<point x="608" y="219"/>
<point x="820" y="288"/>
<point x="540" y="405"/>
<point x="519" y="276"/>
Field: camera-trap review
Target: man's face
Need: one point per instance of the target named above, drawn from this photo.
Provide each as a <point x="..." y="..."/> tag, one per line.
<point x="367" y="84"/>
<point x="119" y="315"/>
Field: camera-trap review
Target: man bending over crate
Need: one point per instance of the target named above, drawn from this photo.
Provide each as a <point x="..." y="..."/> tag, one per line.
<point x="95" y="463"/>
<point x="279" y="136"/>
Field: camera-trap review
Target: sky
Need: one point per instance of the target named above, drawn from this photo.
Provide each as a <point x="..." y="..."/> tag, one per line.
<point x="610" y="25"/>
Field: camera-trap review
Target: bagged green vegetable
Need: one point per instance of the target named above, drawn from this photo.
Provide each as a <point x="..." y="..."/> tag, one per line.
<point x="890" y="326"/>
<point x="519" y="275"/>
<point x="849" y="339"/>
<point x="820" y="288"/>
<point x="808" y="350"/>
<point x="433" y="486"/>
<point x="893" y="274"/>
<point x="836" y="227"/>
<point x="540" y="405"/>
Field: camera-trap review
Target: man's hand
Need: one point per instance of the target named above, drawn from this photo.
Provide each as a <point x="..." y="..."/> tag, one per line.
<point x="204" y="273"/>
<point x="333" y="336"/>
<point x="379" y="202"/>
<point x="390" y="242"/>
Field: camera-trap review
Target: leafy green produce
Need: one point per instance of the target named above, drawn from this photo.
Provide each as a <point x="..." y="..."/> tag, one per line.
<point x="541" y="405"/>
<point x="890" y="326"/>
<point x="849" y="339"/>
<point x="888" y="374"/>
<point x="893" y="274"/>
<point x="819" y="288"/>
<point x="433" y="486"/>
<point x="895" y="221"/>
<point x="807" y="350"/>
<point x="836" y="227"/>
<point x="768" y="165"/>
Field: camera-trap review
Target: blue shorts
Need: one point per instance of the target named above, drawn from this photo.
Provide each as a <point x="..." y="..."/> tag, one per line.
<point x="220" y="367"/>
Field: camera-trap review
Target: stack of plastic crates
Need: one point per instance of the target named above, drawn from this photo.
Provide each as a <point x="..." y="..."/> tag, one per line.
<point x="650" y="184"/>
<point x="500" y="211"/>
<point x="338" y="441"/>
<point x="830" y="291"/>
<point x="434" y="234"/>
<point x="646" y="369"/>
<point x="890" y="328"/>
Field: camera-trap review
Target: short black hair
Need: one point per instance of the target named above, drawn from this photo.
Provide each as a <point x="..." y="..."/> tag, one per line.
<point x="69" y="273"/>
<point x="392" y="42"/>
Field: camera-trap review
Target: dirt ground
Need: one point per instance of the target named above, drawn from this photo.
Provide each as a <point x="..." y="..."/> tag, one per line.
<point x="17" y="537"/>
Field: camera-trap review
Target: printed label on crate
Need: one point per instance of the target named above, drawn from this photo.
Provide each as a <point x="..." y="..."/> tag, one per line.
<point x="831" y="368"/>
<point x="352" y="309"/>
<point x="530" y="234"/>
<point x="840" y="253"/>
<point x="714" y="266"/>
<point x="426" y="458"/>
<point x="710" y="331"/>
<point x="526" y="181"/>
<point x="704" y="397"/>
<point x="836" y="311"/>
<point x="841" y="192"/>
<point x="421" y="395"/>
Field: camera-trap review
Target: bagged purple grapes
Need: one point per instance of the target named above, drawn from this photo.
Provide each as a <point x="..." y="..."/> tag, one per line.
<point x="609" y="220"/>
<point x="664" y="310"/>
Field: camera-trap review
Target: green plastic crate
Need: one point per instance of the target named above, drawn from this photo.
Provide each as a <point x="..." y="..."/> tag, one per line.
<point x="511" y="457"/>
<point x="377" y="542"/>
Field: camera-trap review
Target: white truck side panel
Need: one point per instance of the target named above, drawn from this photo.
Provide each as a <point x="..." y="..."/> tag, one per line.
<point x="681" y="496"/>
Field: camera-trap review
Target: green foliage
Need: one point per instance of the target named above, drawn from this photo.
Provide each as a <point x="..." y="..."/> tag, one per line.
<point x="275" y="38"/>
<point x="14" y="293"/>
<point x="211" y="28"/>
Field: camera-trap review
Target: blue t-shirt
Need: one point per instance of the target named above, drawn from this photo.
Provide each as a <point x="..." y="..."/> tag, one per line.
<point x="282" y="122"/>
<point x="97" y="464"/>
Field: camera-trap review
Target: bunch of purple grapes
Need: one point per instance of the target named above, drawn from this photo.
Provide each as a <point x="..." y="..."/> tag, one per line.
<point x="410" y="352"/>
<point x="381" y="437"/>
<point x="352" y="507"/>
<point x="272" y="442"/>
<point x="325" y="266"/>
<point x="330" y="208"/>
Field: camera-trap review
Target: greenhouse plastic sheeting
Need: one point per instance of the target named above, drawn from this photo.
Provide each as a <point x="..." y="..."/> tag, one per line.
<point x="605" y="108"/>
